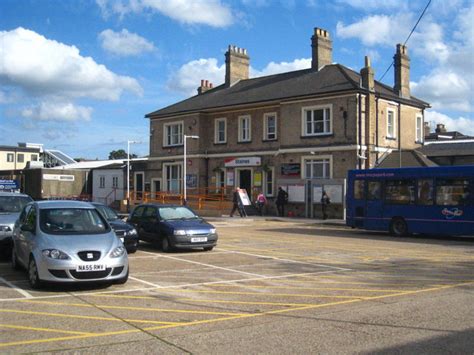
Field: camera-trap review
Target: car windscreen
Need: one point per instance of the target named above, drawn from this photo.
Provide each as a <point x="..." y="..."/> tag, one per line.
<point x="170" y="213"/>
<point x="13" y="204"/>
<point x="72" y="221"/>
<point x="107" y="212"/>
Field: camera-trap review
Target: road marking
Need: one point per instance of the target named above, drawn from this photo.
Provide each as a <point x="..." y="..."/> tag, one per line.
<point x="61" y="315"/>
<point x="247" y="302"/>
<point x="43" y="329"/>
<point x="310" y="288"/>
<point x="145" y="282"/>
<point x="16" y="288"/>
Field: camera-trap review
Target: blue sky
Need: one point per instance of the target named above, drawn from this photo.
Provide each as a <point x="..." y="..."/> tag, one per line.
<point x="80" y="75"/>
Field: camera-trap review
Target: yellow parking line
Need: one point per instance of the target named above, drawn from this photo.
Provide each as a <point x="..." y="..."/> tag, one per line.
<point x="308" y="288"/>
<point x="247" y="302"/>
<point x="343" y="283"/>
<point x="22" y="327"/>
<point x="60" y="315"/>
<point x="146" y="309"/>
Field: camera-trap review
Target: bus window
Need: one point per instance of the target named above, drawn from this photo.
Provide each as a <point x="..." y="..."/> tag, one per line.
<point x="425" y="192"/>
<point x="359" y="186"/>
<point x="400" y="192"/>
<point x="374" y="190"/>
<point x="452" y="192"/>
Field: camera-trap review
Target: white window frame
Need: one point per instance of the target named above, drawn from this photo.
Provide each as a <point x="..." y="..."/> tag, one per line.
<point x="10" y="157"/>
<point x="419" y="129"/>
<point x="266" y="116"/>
<point x="220" y="182"/>
<point x="241" y="137"/>
<point x="165" y="134"/>
<point x="304" y="110"/>
<point x="305" y="158"/>
<point x="392" y="135"/>
<point x="165" y="184"/>
<point x="265" y="182"/>
<point x="102" y="182"/>
<point x="115" y="180"/>
<point x="216" y="130"/>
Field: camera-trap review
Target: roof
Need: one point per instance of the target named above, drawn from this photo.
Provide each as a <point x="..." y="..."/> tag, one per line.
<point x="334" y="78"/>
<point x="409" y="158"/>
<point x="452" y="135"/>
<point x="449" y="148"/>
<point x="95" y="164"/>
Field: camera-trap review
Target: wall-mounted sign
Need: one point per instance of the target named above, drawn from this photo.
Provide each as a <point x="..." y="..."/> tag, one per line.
<point x="57" y="177"/>
<point x="191" y="180"/>
<point x="8" y="185"/>
<point x="230" y="178"/>
<point x="291" y="169"/>
<point x="257" y="179"/>
<point x="247" y="161"/>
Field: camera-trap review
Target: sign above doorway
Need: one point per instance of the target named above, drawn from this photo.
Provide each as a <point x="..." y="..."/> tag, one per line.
<point x="247" y="161"/>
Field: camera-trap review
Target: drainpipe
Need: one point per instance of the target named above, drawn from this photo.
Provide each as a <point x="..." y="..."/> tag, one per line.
<point x="376" y="130"/>
<point x="359" y="112"/>
<point x="399" y="132"/>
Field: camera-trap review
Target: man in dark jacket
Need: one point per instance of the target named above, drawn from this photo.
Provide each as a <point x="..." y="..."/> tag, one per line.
<point x="281" y="200"/>
<point x="325" y="201"/>
<point x="236" y="204"/>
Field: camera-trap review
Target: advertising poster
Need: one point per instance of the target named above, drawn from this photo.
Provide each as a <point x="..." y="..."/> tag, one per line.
<point x="257" y="179"/>
<point x="230" y="178"/>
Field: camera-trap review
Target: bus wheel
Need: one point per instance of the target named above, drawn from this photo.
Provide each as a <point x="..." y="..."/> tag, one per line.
<point x="398" y="227"/>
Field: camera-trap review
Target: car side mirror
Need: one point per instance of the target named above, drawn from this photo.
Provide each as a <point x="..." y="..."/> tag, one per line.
<point x="27" y="228"/>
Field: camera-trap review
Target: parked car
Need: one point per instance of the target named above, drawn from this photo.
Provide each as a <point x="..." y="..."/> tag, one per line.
<point x="67" y="241"/>
<point x="125" y="231"/>
<point x="173" y="227"/>
<point x="11" y="204"/>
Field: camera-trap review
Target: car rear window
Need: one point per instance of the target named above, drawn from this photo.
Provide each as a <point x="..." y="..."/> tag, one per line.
<point x="72" y="221"/>
<point x="13" y="204"/>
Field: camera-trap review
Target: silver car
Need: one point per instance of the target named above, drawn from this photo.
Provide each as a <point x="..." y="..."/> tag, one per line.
<point x="67" y="241"/>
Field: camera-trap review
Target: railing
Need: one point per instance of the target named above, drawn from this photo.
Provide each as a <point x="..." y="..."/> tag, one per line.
<point x="81" y="197"/>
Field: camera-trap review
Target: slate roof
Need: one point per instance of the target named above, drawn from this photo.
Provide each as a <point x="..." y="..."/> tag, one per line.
<point x="448" y="149"/>
<point x="334" y="78"/>
<point x="446" y="136"/>
<point x="410" y="158"/>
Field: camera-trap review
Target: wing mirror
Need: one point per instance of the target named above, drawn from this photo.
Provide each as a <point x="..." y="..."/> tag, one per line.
<point x="27" y="228"/>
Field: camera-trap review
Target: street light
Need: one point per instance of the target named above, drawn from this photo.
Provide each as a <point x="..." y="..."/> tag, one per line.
<point x="128" y="172"/>
<point x="184" y="166"/>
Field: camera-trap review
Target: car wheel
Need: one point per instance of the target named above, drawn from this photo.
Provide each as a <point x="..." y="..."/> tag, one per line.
<point x="122" y="280"/>
<point x="208" y="248"/>
<point x="398" y="227"/>
<point x="15" y="264"/>
<point x="132" y="250"/>
<point x="33" y="276"/>
<point x="165" y="245"/>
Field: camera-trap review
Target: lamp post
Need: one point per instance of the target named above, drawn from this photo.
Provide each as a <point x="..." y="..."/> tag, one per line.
<point x="184" y="167"/>
<point x="128" y="173"/>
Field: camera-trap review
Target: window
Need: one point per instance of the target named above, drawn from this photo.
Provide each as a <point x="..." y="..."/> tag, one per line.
<point x="317" y="120"/>
<point x="114" y="182"/>
<point x="359" y="186"/>
<point x="390" y="123"/>
<point x="374" y="190"/>
<point x="269" y="126"/>
<point x="317" y="168"/>
<point x="173" y="134"/>
<point x="268" y="182"/>
<point x="452" y="192"/>
<point x="220" y="129"/>
<point x="10" y="157"/>
<point x="34" y="157"/>
<point x="101" y="182"/>
<point x="220" y="181"/>
<point x="400" y="192"/>
<point x="244" y="129"/>
<point x="21" y="158"/>
<point x="173" y="177"/>
<point x="419" y="129"/>
<point x="425" y="192"/>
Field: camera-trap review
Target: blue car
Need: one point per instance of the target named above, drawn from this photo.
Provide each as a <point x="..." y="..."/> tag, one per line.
<point x="173" y="227"/>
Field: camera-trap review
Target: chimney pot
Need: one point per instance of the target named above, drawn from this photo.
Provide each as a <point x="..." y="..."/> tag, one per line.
<point x="321" y="49"/>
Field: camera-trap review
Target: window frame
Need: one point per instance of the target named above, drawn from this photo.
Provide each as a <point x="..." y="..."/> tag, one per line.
<point x="306" y="158"/>
<point x="20" y="158"/>
<point x="304" y="122"/>
<point x="216" y="130"/>
<point x="166" y="136"/>
<point x="166" y="180"/>
<point x="266" y="116"/>
<point x="101" y="181"/>
<point x="419" y="138"/>
<point x="392" y="135"/>
<point x="241" y="129"/>
<point x="115" y="180"/>
<point x="266" y="182"/>
<point x="10" y="157"/>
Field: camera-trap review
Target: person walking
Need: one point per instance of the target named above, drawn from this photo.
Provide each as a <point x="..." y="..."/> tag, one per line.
<point x="325" y="201"/>
<point x="261" y="202"/>
<point x="282" y="199"/>
<point x="236" y="203"/>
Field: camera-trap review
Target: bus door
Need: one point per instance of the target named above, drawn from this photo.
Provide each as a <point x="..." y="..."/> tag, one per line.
<point x="374" y="205"/>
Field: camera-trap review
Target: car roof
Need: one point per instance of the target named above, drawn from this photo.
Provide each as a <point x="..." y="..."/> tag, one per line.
<point x="160" y="205"/>
<point x="63" y="204"/>
<point x="3" y="193"/>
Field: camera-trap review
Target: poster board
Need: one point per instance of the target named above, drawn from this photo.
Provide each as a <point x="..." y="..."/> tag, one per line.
<point x="295" y="193"/>
<point x="244" y="198"/>
<point x="333" y="191"/>
<point x="230" y="178"/>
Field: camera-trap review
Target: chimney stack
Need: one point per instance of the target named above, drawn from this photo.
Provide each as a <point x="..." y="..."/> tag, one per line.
<point x="367" y="74"/>
<point x="205" y="85"/>
<point x="427" y="129"/>
<point x="236" y="65"/>
<point x="321" y="45"/>
<point x="402" y="71"/>
<point x="440" y="128"/>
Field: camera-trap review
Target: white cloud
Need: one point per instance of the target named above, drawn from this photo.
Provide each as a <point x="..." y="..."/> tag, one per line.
<point x="55" y="111"/>
<point x="44" y="67"/>
<point x="460" y="124"/>
<point x="201" y="12"/>
<point x="371" y="5"/>
<point x="283" y="67"/>
<point x="124" y="43"/>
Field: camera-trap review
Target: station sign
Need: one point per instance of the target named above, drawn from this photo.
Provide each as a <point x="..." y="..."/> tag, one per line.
<point x="57" y="177"/>
<point x="9" y="185"/>
<point x="244" y="161"/>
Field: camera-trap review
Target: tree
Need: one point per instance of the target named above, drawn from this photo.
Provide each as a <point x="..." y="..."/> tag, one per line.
<point x="120" y="154"/>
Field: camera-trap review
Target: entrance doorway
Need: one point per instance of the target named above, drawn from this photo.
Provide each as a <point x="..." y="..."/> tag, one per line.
<point x="139" y="185"/>
<point x="245" y="180"/>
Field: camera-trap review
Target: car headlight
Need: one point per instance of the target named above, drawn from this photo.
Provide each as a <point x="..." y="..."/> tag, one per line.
<point x="119" y="251"/>
<point x="131" y="232"/>
<point x="5" y="229"/>
<point x="55" y="254"/>
<point x="212" y="231"/>
<point x="179" y="232"/>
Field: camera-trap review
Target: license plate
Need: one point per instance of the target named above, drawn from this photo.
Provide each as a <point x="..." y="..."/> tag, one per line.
<point x="90" y="267"/>
<point x="198" y="239"/>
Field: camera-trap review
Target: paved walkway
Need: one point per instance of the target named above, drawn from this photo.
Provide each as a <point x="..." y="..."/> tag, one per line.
<point x="226" y="218"/>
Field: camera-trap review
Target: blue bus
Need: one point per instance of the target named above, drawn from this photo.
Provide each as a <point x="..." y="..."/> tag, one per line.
<point x="432" y="200"/>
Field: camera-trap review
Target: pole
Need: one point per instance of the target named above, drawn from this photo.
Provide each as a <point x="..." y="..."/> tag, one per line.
<point x="128" y="176"/>
<point x="184" y="170"/>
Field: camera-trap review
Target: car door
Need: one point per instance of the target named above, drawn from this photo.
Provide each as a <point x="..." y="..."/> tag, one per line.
<point x="137" y="220"/>
<point x="26" y="237"/>
<point x="150" y="219"/>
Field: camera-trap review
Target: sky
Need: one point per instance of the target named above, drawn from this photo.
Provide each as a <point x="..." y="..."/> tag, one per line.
<point x="80" y="75"/>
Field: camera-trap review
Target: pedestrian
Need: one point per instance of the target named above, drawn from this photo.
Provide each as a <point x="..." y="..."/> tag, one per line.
<point x="281" y="200"/>
<point x="261" y="202"/>
<point x="325" y="201"/>
<point x="236" y="205"/>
